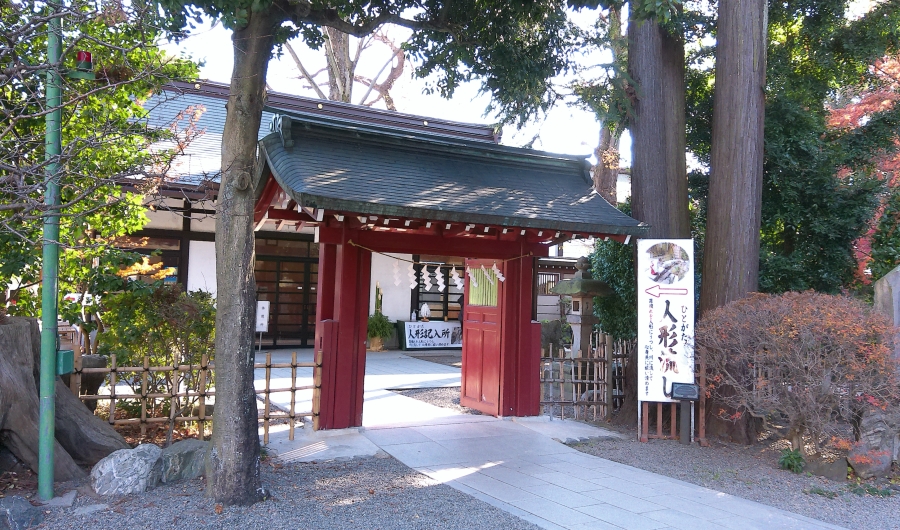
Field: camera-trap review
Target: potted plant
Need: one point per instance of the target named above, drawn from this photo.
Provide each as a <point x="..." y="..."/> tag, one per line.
<point x="380" y="327"/>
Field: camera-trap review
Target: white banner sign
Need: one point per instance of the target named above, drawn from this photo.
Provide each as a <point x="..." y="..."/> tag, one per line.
<point x="262" y="316"/>
<point x="435" y="334"/>
<point x="665" y="299"/>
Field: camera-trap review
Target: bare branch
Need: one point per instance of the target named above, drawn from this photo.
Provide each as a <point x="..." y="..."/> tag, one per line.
<point x="303" y="70"/>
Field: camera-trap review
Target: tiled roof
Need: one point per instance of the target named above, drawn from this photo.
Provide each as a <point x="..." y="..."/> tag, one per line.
<point x="377" y="170"/>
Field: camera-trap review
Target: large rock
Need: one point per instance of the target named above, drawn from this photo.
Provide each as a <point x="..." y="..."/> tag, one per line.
<point x="126" y="471"/>
<point x="869" y="463"/>
<point x="836" y="470"/>
<point x="182" y="460"/>
<point x="18" y="514"/>
<point x="887" y="301"/>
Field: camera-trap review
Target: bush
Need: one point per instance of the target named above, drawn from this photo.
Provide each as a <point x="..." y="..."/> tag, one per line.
<point x="380" y="326"/>
<point x="167" y="325"/>
<point x="792" y="460"/>
<point x="810" y="360"/>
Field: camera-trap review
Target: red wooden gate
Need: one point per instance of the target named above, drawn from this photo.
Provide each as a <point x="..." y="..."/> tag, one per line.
<point x="482" y="316"/>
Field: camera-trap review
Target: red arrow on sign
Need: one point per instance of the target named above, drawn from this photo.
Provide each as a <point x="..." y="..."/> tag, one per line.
<point x="658" y="291"/>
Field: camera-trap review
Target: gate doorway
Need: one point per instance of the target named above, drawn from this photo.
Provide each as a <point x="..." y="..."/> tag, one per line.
<point x="482" y="325"/>
<point x="290" y="285"/>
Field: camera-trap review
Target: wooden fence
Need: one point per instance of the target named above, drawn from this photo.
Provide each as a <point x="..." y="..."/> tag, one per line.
<point x="188" y="388"/>
<point x="589" y="382"/>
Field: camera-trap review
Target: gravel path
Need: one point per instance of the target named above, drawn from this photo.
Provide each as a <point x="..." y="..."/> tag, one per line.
<point x="447" y="398"/>
<point x="752" y="472"/>
<point x="368" y="493"/>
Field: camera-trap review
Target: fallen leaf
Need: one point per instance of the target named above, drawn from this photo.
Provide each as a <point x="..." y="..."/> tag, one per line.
<point x="371" y="492"/>
<point x="219" y="509"/>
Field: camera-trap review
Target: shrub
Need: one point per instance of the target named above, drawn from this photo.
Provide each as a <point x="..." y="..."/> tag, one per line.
<point x="808" y="359"/>
<point x="169" y="326"/>
<point x="380" y="326"/>
<point x="792" y="460"/>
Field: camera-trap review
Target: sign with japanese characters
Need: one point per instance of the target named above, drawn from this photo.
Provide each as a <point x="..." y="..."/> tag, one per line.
<point x="665" y="298"/>
<point x="262" y="316"/>
<point x="435" y="334"/>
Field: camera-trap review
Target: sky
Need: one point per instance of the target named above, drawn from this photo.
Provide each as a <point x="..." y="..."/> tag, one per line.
<point x="566" y="129"/>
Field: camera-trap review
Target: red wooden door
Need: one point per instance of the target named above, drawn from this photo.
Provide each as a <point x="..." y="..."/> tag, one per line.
<point x="481" y="339"/>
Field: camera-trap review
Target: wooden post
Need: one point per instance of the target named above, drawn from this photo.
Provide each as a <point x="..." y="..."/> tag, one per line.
<point x="144" y="375"/>
<point x="266" y="406"/>
<point x="112" y="389"/>
<point x="293" y="393"/>
<point x="204" y="369"/>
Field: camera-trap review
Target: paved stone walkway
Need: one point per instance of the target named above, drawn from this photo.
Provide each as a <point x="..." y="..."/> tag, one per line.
<point x="519" y="465"/>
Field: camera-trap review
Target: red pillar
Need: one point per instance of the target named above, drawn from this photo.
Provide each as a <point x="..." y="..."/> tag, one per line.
<point x="326" y="332"/>
<point x="351" y="309"/>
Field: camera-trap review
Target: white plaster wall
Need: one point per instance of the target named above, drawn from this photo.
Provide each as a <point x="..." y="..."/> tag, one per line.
<point x="164" y="220"/>
<point x="395" y="299"/>
<point x="202" y="267"/>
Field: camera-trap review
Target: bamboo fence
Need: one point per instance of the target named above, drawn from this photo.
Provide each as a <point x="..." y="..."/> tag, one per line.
<point x="205" y="373"/>
<point x="589" y="382"/>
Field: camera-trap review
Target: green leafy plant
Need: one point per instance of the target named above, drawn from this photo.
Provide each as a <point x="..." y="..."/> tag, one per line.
<point x="868" y="489"/>
<point x="816" y="490"/>
<point x="380" y="326"/>
<point x="792" y="460"/>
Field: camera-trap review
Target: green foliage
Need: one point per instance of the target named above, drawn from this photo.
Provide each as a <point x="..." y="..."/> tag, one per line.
<point x="613" y="263"/>
<point x="512" y="48"/>
<point x="104" y="135"/>
<point x="818" y="190"/>
<point x="380" y="326"/>
<point x="164" y="323"/>
<point x="861" y="489"/>
<point x="886" y="240"/>
<point x="792" y="460"/>
<point x="816" y="490"/>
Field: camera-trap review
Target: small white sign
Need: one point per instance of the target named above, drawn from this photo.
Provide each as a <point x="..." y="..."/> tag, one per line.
<point x="435" y="334"/>
<point x="262" y="316"/>
<point x="665" y="298"/>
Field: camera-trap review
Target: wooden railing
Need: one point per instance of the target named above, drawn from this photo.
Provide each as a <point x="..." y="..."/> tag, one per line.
<point x="187" y="390"/>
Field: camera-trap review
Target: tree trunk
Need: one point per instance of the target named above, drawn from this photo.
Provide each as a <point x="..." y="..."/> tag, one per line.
<point x="658" y="166"/>
<point x="731" y="254"/>
<point x="606" y="172"/>
<point x="341" y="69"/>
<point x="233" y="467"/>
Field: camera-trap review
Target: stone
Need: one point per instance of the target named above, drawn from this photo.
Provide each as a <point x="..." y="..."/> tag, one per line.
<point x="125" y="471"/>
<point x="887" y="295"/>
<point x="868" y="462"/>
<point x="63" y="501"/>
<point x="887" y="301"/>
<point x="90" y="508"/>
<point x="9" y="462"/>
<point x="182" y="460"/>
<point x="17" y="513"/>
<point x="836" y="470"/>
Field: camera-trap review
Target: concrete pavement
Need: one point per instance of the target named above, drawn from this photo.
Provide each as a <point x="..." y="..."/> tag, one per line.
<point x="519" y="464"/>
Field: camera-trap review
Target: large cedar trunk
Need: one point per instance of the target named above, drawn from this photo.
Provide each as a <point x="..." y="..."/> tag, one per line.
<point x="658" y="167"/>
<point x="731" y="255"/>
<point x="233" y="467"/>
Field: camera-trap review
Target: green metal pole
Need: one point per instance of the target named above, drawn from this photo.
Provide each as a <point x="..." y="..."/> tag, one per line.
<point x="50" y="286"/>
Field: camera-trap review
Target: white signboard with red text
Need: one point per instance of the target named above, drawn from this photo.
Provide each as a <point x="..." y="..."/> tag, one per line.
<point x="665" y="300"/>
